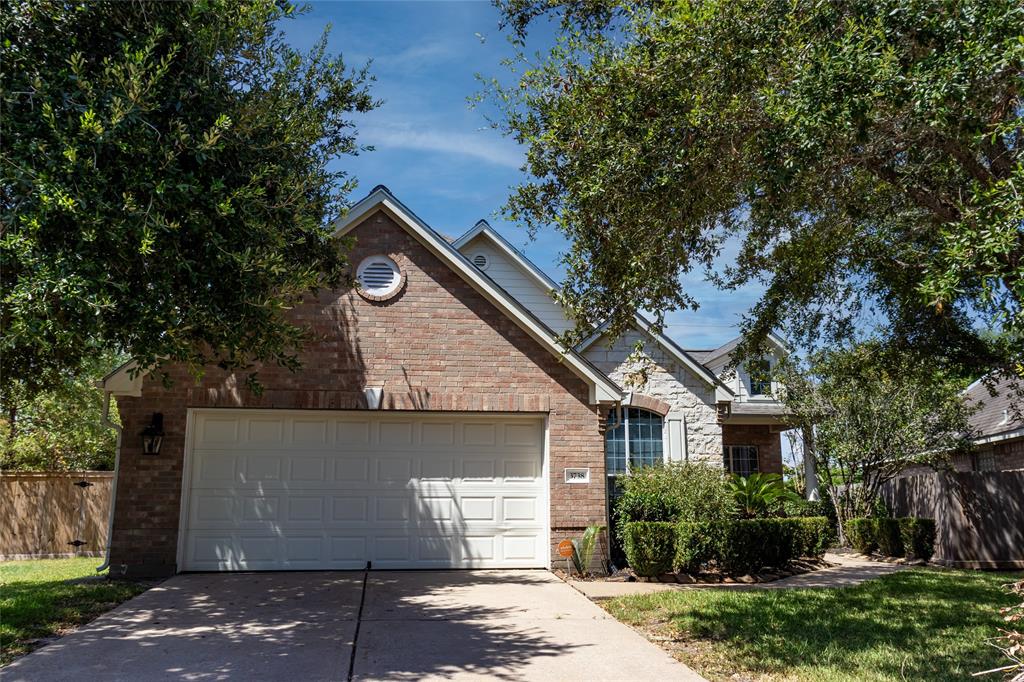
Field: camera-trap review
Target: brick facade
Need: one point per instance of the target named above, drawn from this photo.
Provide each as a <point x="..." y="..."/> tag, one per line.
<point x="768" y="442"/>
<point x="438" y="345"/>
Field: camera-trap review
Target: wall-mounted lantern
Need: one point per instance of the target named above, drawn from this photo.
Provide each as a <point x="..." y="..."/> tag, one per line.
<point x="153" y="435"/>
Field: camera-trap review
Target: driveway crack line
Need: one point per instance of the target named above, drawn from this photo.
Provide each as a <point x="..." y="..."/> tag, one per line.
<point x="359" y="620"/>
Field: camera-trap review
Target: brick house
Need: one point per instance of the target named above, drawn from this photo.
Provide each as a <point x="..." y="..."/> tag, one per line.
<point x="999" y="431"/>
<point x="436" y="422"/>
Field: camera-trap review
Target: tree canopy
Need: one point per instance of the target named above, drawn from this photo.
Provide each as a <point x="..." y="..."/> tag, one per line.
<point x="865" y="155"/>
<point x="59" y="428"/>
<point x="164" y="183"/>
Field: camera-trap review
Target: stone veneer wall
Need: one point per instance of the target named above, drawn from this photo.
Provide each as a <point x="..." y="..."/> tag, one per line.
<point x="667" y="380"/>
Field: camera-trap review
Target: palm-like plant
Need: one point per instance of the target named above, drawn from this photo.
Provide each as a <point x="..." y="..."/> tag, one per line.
<point x="759" y="495"/>
<point x="583" y="549"/>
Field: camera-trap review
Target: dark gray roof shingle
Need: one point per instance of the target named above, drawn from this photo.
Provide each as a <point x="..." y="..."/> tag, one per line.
<point x="996" y="414"/>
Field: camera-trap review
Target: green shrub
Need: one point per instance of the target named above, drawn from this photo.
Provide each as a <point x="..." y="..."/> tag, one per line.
<point x="747" y="545"/>
<point x="886" y="533"/>
<point x="679" y="491"/>
<point x="696" y="544"/>
<point x="742" y="546"/>
<point x="650" y="547"/>
<point x="908" y="536"/>
<point x="861" y="534"/>
<point x="583" y="549"/>
<point x="918" y="537"/>
<point x="812" y="536"/>
<point x="807" y="508"/>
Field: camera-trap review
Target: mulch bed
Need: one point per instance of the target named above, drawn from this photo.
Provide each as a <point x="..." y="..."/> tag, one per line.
<point x="711" y="577"/>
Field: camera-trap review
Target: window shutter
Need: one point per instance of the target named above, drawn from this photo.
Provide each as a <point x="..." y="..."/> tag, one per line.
<point x="675" y="438"/>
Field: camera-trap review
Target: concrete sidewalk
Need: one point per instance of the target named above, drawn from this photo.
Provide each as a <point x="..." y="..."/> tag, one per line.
<point x="420" y="625"/>
<point x="848" y="571"/>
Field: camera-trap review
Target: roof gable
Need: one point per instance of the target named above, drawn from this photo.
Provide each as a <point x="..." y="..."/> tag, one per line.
<point x="722" y="392"/>
<point x="514" y="255"/>
<point x="602" y="389"/>
<point x="726" y="349"/>
<point x="514" y="273"/>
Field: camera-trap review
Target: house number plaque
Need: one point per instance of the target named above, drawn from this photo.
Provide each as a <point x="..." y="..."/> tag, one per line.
<point x="577" y="475"/>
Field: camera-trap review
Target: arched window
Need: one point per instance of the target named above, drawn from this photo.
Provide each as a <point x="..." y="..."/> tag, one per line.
<point x="633" y="442"/>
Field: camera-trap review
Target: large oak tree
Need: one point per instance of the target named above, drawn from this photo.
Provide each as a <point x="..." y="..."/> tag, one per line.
<point x="165" y="187"/>
<point x="865" y="153"/>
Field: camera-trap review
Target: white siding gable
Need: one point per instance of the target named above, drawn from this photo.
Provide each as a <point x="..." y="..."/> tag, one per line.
<point x="521" y="285"/>
<point x="738" y="378"/>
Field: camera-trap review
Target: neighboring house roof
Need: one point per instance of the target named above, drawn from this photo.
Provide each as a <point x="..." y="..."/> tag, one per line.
<point x="672" y="348"/>
<point x="996" y="414"/>
<point x="727" y="348"/>
<point x="602" y="388"/>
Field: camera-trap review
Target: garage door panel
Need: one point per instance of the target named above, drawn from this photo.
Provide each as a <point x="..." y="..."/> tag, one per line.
<point x="296" y="490"/>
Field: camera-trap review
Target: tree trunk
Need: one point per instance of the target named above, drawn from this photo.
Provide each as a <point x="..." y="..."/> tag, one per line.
<point x="810" y="465"/>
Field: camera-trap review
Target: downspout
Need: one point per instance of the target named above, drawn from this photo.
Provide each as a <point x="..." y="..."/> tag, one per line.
<point x="113" y="491"/>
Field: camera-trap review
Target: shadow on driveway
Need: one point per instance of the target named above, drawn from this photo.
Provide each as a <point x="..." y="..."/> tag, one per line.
<point x="302" y="626"/>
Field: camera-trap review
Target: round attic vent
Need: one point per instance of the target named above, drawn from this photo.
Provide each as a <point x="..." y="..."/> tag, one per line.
<point x="379" y="277"/>
<point x="480" y="261"/>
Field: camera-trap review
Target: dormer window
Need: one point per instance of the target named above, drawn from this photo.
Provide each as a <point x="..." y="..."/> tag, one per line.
<point x="760" y="377"/>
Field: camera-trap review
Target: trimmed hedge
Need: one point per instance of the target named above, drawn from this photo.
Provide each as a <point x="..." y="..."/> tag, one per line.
<point x="887" y="535"/>
<point x="861" y="534"/>
<point x="650" y="546"/>
<point x="895" y="537"/>
<point x="918" y="537"/>
<point x="737" y="546"/>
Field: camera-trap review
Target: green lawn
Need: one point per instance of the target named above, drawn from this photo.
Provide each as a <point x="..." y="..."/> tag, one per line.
<point x="46" y="597"/>
<point x="918" y="624"/>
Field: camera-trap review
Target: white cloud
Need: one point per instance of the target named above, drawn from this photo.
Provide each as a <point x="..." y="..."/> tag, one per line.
<point x="473" y="145"/>
<point x="419" y="55"/>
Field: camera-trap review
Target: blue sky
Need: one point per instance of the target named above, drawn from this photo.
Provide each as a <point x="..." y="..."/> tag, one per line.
<point x="437" y="154"/>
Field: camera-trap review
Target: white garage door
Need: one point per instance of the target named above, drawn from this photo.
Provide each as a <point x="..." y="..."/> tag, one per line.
<point x="274" y="490"/>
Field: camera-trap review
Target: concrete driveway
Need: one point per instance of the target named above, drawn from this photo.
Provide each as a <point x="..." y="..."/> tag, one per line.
<point x="514" y="625"/>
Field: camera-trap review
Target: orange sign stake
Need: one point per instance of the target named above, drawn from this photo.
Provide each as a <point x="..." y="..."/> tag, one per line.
<point x="565" y="549"/>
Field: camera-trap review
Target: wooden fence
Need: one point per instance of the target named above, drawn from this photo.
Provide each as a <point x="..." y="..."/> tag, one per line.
<point x="979" y="516"/>
<point x="54" y="514"/>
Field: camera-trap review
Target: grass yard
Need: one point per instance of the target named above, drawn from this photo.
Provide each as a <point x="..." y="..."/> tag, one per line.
<point x="918" y="624"/>
<point x="46" y="597"/>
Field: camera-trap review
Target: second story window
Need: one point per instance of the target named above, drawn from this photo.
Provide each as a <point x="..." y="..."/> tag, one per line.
<point x="760" y="377"/>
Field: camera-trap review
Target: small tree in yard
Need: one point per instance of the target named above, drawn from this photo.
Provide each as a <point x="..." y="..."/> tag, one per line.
<point x="874" y="414"/>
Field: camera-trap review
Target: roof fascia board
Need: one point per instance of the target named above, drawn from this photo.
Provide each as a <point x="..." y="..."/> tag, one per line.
<point x="120" y="381"/>
<point x="601" y="388"/>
